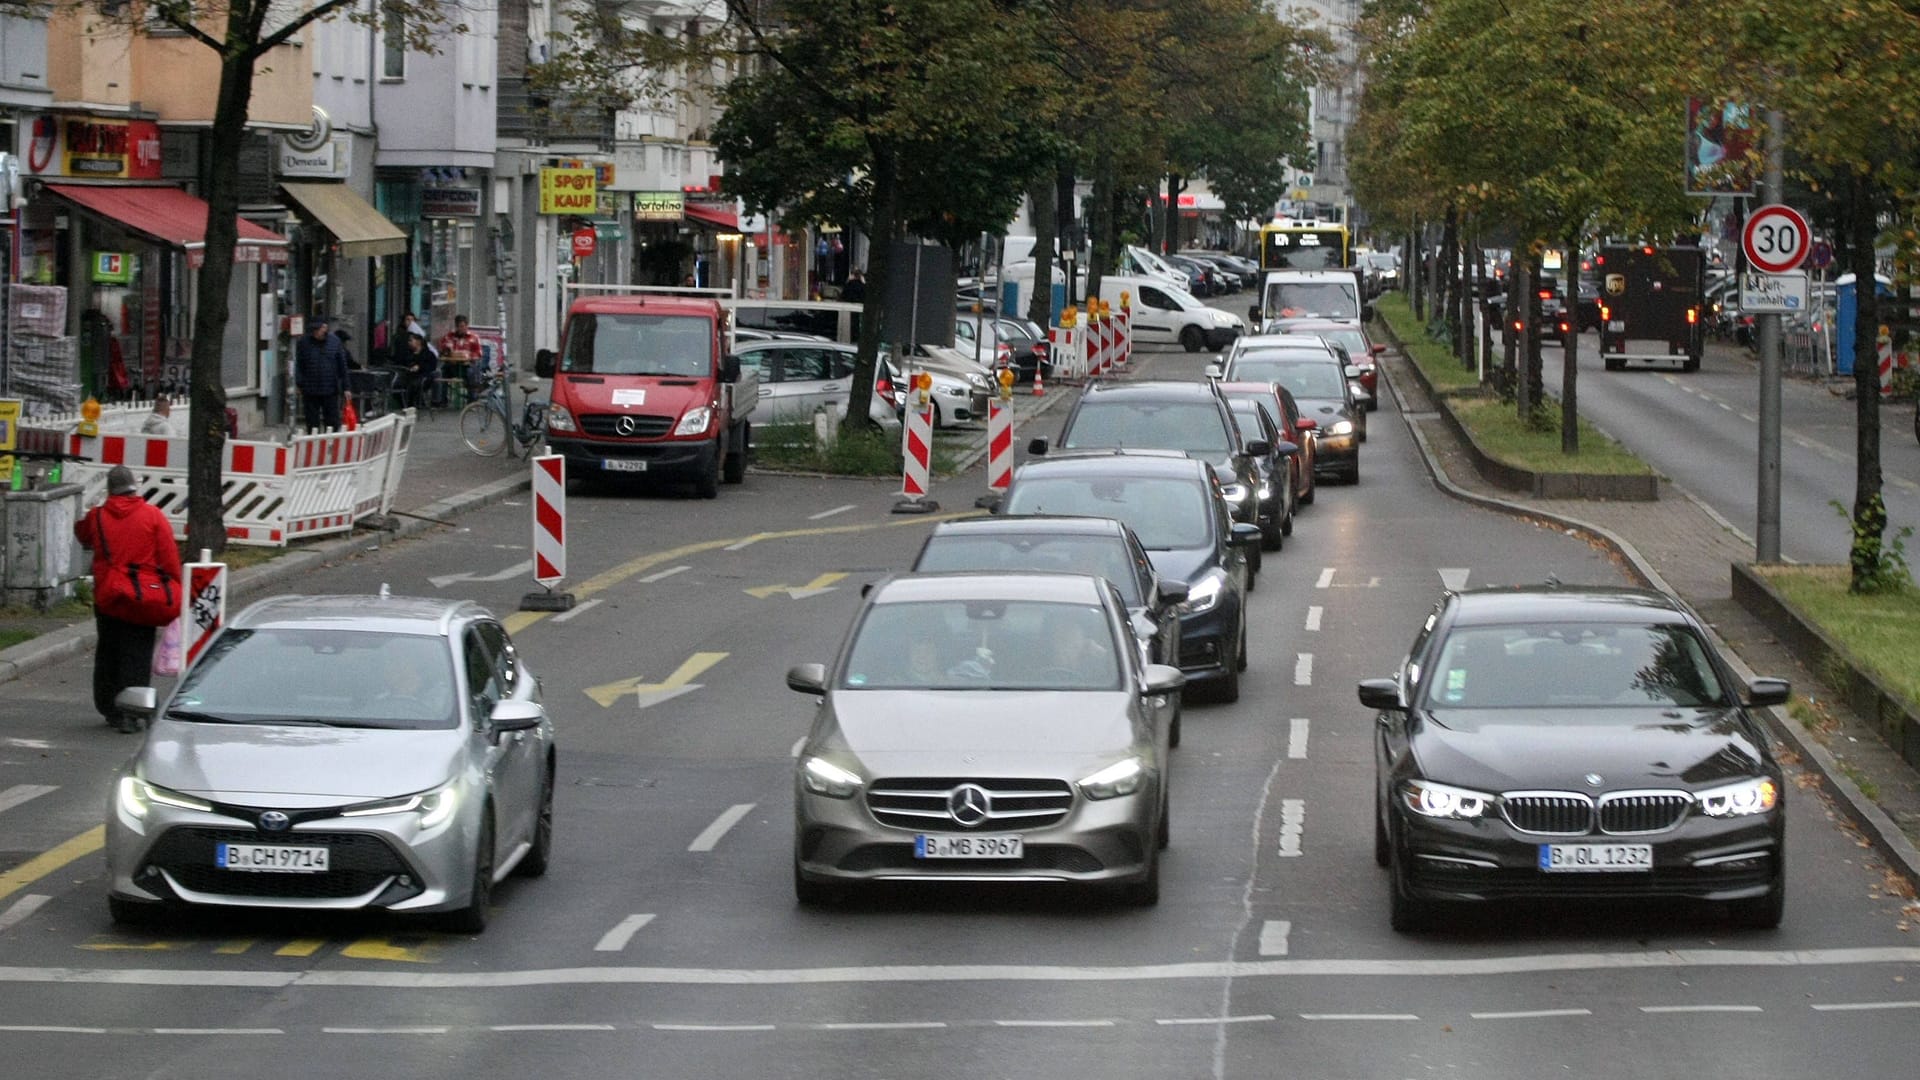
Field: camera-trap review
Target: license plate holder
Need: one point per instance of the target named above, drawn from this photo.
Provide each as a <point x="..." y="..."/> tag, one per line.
<point x="271" y="858"/>
<point x="935" y="846"/>
<point x="624" y="464"/>
<point x="1596" y="858"/>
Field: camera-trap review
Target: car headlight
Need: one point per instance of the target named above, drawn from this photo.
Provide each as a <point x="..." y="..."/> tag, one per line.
<point x="1264" y="491"/>
<point x="1755" y="796"/>
<point x="559" y="419"/>
<point x="977" y="380"/>
<point x="695" y="422"/>
<point x="1117" y="779"/>
<point x="1203" y="596"/>
<point x="137" y="798"/>
<point x="433" y="806"/>
<point x="1235" y="493"/>
<point x="823" y="777"/>
<point x="952" y="391"/>
<point x="1341" y="427"/>
<point x="1428" y="799"/>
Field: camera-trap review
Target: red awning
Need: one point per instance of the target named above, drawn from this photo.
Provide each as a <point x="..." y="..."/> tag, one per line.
<point x="711" y="215"/>
<point x="172" y="217"/>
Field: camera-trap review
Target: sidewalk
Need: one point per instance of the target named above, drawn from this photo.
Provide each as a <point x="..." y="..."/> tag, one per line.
<point x="1679" y="545"/>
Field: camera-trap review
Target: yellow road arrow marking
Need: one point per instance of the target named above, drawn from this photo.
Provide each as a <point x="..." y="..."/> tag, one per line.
<point x="680" y="682"/>
<point x="821" y="584"/>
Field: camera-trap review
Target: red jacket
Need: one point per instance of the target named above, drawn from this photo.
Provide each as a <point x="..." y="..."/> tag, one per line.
<point x="136" y="532"/>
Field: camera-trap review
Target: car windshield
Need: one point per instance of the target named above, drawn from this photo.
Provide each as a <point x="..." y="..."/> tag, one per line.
<point x="1312" y="299"/>
<point x="1071" y="554"/>
<point x="1192" y="427"/>
<point x="997" y="644"/>
<point x="1305" y="378"/>
<point x="1351" y="340"/>
<point x="344" y="678"/>
<point x="1247" y="416"/>
<point x="1164" y="512"/>
<point x="1579" y="664"/>
<point x="608" y="344"/>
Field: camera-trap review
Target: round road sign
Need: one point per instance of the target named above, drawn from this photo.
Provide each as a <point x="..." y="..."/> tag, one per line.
<point x="583" y="241"/>
<point x="1776" y="239"/>
<point x="1820" y="255"/>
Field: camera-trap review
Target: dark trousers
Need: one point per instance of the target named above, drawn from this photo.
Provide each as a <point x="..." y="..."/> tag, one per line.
<point x="123" y="658"/>
<point x="322" y="411"/>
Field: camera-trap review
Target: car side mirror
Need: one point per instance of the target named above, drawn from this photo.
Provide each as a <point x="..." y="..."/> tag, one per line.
<point x="807" y="678"/>
<point x="1379" y="349"/>
<point x="1170" y="592"/>
<point x="516" y="716"/>
<point x="1259" y="448"/>
<point x="1768" y="691"/>
<point x="1245" y="533"/>
<point x="1037" y="446"/>
<point x="1214" y="371"/>
<point x="137" y="699"/>
<point x="1253" y="314"/>
<point x="1382" y="694"/>
<point x="1366" y="313"/>
<point x="1286" y="448"/>
<point x="543" y="363"/>
<point x="1307" y="424"/>
<point x="730" y="369"/>
<point x="1164" y="678"/>
<point x="1353" y="371"/>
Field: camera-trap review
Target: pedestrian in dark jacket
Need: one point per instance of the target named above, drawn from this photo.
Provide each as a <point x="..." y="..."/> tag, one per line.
<point x="124" y="532"/>
<point x="320" y="374"/>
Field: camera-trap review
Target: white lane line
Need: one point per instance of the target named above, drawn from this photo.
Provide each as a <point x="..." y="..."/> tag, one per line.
<point x="1297" y="737"/>
<point x="1211" y="970"/>
<point x="1054" y="1023"/>
<point x="441" y="581"/>
<point x="1531" y="1014"/>
<point x="552" y="1027"/>
<point x="1724" y="405"/>
<point x="1326" y="579"/>
<point x="898" y="1025"/>
<point x="794" y="750"/>
<point x="1313" y="617"/>
<point x="711" y="834"/>
<point x="1700" y="1008"/>
<point x="616" y="939"/>
<point x="1454" y="578"/>
<point x="581" y="610"/>
<point x="745" y="544"/>
<point x="715" y="1027"/>
<point x="1293" y="814"/>
<point x="1358" y="1016"/>
<point x="1251" y="1018"/>
<point x="20" y="793"/>
<point x="26" y="744"/>
<point x="830" y="513"/>
<point x="1866" y="1006"/>
<point x="662" y="575"/>
<point x="51" y="1029"/>
<point x="219" y="1031"/>
<point x="384" y="1030"/>
<point x="21" y="910"/>
<point x="1273" y="937"/>
<point x="1303" y="670"/>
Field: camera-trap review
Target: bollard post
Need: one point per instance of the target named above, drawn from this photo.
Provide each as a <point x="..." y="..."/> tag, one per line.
<point x="1126" y="327"/>
<point x="1885" y="347"/>
<point x="917" y="449"/>
<point x="549" y="534"/>
<point x="1000" y="437"/>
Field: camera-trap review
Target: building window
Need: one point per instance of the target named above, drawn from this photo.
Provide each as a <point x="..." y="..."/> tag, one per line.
<point x="393" y="61"/>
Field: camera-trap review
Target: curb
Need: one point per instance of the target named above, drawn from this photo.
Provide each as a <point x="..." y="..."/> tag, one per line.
<point x="1886" y="837"/>
<point x="70" y="641"/>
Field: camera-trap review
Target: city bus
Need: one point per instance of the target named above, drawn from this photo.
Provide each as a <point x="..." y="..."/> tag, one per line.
<point x="1305" y="245"/>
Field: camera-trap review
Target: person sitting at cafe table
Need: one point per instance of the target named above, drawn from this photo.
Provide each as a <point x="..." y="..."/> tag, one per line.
<point x="422" y="366"/>
<point x="460" y="348"/>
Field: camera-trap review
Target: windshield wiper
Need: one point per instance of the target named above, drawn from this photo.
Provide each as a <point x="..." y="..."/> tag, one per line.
<point x="199" y="717"/>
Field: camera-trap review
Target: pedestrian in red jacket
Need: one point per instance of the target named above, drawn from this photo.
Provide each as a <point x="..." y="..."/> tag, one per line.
<point x="132" y="542"/>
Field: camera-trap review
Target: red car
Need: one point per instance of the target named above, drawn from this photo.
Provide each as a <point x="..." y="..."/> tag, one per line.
<point x="1287" y="414"/>
<point x="1350" y="336"/>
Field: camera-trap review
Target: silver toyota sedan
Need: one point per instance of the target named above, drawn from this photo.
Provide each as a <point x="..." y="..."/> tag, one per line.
<point x="985" y="728"/>
<point x="340" y="753"/>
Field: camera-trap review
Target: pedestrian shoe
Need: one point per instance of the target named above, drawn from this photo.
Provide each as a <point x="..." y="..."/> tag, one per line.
<point x="129" y="724"/>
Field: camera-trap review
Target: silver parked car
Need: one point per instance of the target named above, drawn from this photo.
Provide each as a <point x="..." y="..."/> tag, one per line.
<point x="338" y="752"/>
<point x="985" y="728"/>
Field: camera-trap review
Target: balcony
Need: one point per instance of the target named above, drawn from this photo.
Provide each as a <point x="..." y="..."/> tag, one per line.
<point x="534" y="120"/>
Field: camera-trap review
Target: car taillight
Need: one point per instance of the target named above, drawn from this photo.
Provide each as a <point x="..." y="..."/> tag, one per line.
<point x="1546" y="294"/>
<point x="1606" y="312"/>
<point x="1693" y="316"/>
<point x="884" y="388"/>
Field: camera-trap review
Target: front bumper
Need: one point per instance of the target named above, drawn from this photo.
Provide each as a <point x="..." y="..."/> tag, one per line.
<point x="1700" y="859"/>
<point x="1220" y="338"/>
<point x="678" y="458"/>
<point x="1333" y="455"/>
<point x="1207" y="644"/>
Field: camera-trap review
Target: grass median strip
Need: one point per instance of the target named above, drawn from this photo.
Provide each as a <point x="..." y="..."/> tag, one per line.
<point x="1881" y="630"/>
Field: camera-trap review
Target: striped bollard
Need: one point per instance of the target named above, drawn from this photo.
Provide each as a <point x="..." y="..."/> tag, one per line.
<point x="549" y="534"/>
<point x="1066" y="360"/>
<point x="1106" y="339"/>
<point x="1885" y="344"/>
<point x="1126" y="327"/>
<point x="1000" y="437"/>
<point x="917" y="449"/>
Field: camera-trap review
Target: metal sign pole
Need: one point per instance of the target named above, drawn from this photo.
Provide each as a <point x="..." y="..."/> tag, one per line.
<point x="1766" y="533"/>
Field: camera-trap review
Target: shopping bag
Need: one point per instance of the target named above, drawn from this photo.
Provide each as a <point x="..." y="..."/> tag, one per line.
<point x="169" y="648"/>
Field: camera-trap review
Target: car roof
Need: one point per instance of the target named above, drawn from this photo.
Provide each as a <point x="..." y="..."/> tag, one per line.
<point x="424" y="616"/>
<point x="1248" y="388"/>
<point x="1566" y="603"/>
<point x="1117" y="462"/>
<point x="1152" y="388"/>
<point x="997" y="585"/>
<point x="1033" y="525"/>
<point x="1250" y="342"/>
<point x="798" y="340"/>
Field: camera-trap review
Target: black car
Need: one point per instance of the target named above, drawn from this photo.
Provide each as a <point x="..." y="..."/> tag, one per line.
<point x="1274" y="491"/>
<point x="1328" y="407"/>
<point x="1574" y="743"/>
<point x="1190" y="417"/>
<point x="1173" y="504"/>
<point x="1069" y="545"/>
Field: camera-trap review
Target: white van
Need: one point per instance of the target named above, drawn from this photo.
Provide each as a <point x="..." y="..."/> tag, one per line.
<point x="1312" y="294"/>
<point x="1165" y="315"/>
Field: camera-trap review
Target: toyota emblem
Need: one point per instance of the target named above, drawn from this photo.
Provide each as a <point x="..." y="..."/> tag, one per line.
<point x="969" y="804"/>
<point x="274" y="821"/>
<point x="624" y="426"/>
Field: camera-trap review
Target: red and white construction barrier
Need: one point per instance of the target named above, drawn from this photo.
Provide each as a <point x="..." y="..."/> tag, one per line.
<point x="204" y="606"/>
<point x="549" y="534"/>
<point x="1000" y="434"/>
<point x="1885" y="349"/>
<point x="1065" y="347"/>
<point x="1126" y="328"/>
<point x="916" y="479"/>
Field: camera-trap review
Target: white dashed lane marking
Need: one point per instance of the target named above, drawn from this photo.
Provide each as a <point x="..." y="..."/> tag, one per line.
<point x="552" y="1027"/>
<point x="662" y="575"/>
<point x="616" y="939"/>
<point x="1303" y="670"/>
<point x="1700" y="1008"/>
<point x="1256" y="1018"/>
<point x="1297" y="738"/>
<point x="1313" y="617"/>
<point x="1326" y="579"/>
<point x="581" y="610"/>
<point x="1358" y="1016"/>
<point x="715" y="1027"/>
<point x="21" y="910"/>
<point x="1293" y="813"/>
<point x="20" y="793"/>
<point x="1273" y="937"/>
<point x="1054" y="1023"/>
<point x="711" y="834"/>
<point x="1866" y="1006"/>
<point x="899" y="1025"/>
<point x="829" y="513"/>
<point x="384" y="1030"/>
<point x="1534" y="1014"/>
<point x="219" y="1031"/>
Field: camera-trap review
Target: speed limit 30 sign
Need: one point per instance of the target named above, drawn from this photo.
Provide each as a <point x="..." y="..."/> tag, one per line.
<point x="1776" y="239"/>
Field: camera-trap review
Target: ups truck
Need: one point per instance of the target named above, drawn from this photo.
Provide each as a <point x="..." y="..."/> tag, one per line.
<point x="1651" y="306"/>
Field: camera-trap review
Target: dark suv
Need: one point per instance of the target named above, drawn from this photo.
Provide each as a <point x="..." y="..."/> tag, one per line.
<point x="1192" y="418"/>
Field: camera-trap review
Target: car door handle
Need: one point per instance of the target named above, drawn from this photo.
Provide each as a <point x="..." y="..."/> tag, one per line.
<point x="830" y="386"/>
<point x="766" y="391"/>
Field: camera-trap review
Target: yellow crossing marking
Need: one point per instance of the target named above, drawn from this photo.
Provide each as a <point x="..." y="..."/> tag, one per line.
<point x="385" y="949"/>
<point x="52" y="859"/>
<point x="112" y="945"/>
<point x="235" y="948"/>
<point x="821" y="584"/>
<point x="300" y="947"/>
<point x="680" y="682"/>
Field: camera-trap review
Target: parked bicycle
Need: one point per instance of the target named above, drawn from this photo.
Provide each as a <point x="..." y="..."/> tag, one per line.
<point x="488" y="428"/>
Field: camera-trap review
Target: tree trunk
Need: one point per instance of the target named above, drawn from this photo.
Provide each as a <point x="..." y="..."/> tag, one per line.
<point x="1449" y="293"/>
<point x="1072" y="235"/>
<point x="1519" y="316"/>
<point x="885" y="229"/>
<point x="1869" y="506"/>
<point x="1570" y="361"/>
<point x="1100" y="227"/>
<point x="1536" y="383"/>
<point x="1484" y="343"/>
<point x="1040" y="304"/>
<point x="1416" y="273"/>
<point x="1176" y="184"/>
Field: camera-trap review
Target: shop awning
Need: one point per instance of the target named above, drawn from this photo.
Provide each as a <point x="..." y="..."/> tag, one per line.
<point x="361" y="230"/>
<point x="172" y="217"/>
<point x="713" y="215"/>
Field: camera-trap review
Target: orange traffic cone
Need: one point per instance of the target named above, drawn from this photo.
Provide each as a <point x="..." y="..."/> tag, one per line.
<point x="1039" y="382"/>
<point x="349" y="419"/>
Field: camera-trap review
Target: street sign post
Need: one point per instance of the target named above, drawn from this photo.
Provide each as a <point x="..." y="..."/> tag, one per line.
<point x="584" y="242"/>
<point x="1820" y="255"/>
<point x="1781" y="294"/>
<point x="1776" y="239"/>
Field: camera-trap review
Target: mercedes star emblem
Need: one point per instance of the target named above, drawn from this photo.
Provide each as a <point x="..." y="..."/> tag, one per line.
<point x="274" y="821"/>
<point x="969" y="804"/>
<point x="625" y="425"/>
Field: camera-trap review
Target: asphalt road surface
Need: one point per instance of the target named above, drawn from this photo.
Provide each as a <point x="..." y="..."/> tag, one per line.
<point x="666" y="942"/>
